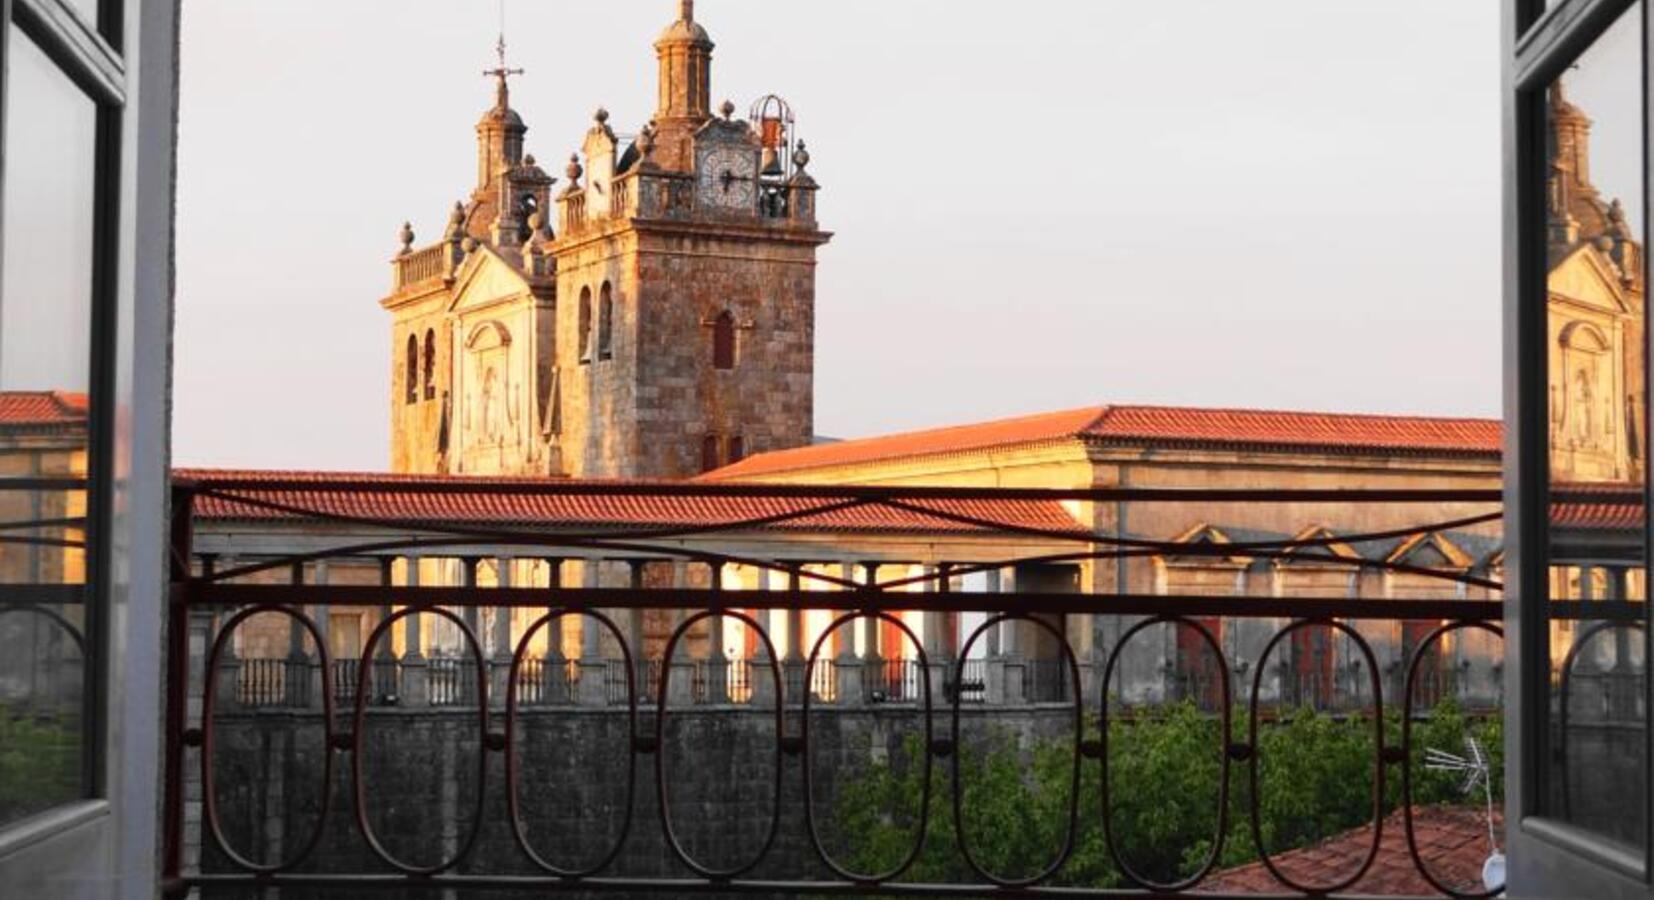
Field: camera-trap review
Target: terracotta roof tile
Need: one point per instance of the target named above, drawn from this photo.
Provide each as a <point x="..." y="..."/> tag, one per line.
<point x="568" y="507"/>
<point x="1608" y="507"/>
<point x="1452" y="841"/>
<point x="1218" y="428"/>
<point x="38" y="409"/>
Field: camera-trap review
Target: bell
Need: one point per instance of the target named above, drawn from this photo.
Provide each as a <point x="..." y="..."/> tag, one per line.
<point x="771" y="167"/>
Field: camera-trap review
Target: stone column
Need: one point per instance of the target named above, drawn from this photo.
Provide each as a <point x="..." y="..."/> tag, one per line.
<point x="593" y="690"/>
<point x="296" y="675"/>
<point x="847" y="667"/>
<point x="635" y="615"/>
<point x="500" y="669"/>
<point x="994" y="689"/>
<point x="471" y="613"/>
<point x="557" y="685"/>
<point x="321" y="679"/>
<point x="415" y="669"/>
<point x="873" y="668"/>
<point x="792" y="634"/>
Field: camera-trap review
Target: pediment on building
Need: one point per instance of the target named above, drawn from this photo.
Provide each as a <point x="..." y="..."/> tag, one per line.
<point x="1203" y="535"/>
<point x="485" y="279"/>
<point x="1431" y="551"/>
<point x="1586" y="278"/>
<point x="1327" y="548"/>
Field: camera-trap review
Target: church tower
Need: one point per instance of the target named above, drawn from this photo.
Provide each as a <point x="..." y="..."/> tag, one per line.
<point x="653" y="319"/>
<point x="686" y="276"/>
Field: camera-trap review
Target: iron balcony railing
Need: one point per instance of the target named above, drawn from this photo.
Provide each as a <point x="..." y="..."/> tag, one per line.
<point x="519" y="703"/>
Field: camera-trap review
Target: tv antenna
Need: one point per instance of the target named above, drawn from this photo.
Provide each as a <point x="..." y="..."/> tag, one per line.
<point x="1476" y="769"/>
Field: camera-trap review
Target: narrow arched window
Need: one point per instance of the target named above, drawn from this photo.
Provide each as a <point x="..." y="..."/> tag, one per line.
<point x="586" y="325"/>
<point x="737" y="449"/>
<point x="709" y="453"/>
<point x="411" y="381"/>
<point x="606" y="323"/>
<point x="723" y="341"/>
<point x="430" y="364"/>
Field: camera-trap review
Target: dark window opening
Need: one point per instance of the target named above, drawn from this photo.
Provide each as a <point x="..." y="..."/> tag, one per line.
<point x="430" y="365"/>
<point x="411" y="382"/>
<point x="709" y="453"/>
<point x="737" y="449"/>
<point x="723" y="341"/>
<point x="585" y="325"/>
<point x="605" y="323"/>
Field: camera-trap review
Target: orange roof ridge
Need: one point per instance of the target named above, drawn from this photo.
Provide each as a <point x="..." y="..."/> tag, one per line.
<point x="1179" y="425"/>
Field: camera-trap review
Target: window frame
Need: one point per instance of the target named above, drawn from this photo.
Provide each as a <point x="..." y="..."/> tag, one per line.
<point x="88" y="54"/>
<point x="1546" y="855"/>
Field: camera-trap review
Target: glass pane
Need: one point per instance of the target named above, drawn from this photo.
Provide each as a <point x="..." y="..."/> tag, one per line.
<point x="89" y="9"/>
<point x="1598" y="441"/>
<point x="45" y="351"/>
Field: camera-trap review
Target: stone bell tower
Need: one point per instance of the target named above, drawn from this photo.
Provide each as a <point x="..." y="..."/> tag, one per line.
<point x="685" y="270"/>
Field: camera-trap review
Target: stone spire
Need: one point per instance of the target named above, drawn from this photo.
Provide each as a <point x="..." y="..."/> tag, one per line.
<point x="500" y="131"/>
<point x="685" y="53"/>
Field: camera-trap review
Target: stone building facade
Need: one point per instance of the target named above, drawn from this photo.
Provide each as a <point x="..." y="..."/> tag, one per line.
<point x="654" y="318"/>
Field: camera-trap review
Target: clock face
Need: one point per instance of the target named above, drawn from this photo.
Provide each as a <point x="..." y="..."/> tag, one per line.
<point x="729" y="178"/>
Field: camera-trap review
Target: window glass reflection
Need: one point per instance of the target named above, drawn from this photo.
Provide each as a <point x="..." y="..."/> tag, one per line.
<point x="45" y="348"/>
<point x="1598" y="435"/>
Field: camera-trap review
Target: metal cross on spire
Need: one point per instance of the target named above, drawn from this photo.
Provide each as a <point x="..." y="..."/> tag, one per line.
<point x="501" y="71"/>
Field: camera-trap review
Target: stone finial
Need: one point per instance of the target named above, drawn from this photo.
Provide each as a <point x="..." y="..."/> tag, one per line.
<point x="646" y="141"/>
<point x="602" y="116"/>
<point x="1617" y="225"/>
<point x="801" y="157"/>
<point x="728" y="109"/>
<point x="406" y="235"/>
<point x="528" y="160"/>
<point x="573" y="170"/>
<point x="686" y="10"/>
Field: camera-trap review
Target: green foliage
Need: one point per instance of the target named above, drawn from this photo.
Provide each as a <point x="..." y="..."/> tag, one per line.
<point x="39" y="764"/>
<point x="1315" y="780"/>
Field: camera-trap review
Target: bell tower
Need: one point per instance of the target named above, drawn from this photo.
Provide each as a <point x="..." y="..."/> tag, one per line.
<point x="685" y="267"/>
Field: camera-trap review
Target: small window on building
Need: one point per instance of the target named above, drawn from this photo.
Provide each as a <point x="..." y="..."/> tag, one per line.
<point x="723" y="341"/>
<point x="605" y="323"/>
<point x="430" y="365"/>
<point x="709" y="453"/>
<point x="585" y="325"/>
<point x="411" y="381"/>
<point x="737" y="449"/>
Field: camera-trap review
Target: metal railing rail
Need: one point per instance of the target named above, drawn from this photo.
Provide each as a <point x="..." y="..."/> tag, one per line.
<point x="1055" y="680"/>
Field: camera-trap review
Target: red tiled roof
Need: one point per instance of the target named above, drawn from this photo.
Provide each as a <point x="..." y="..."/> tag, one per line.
<point x="35" y="409"/>
<point x="1218" y="428"/>
<point x="1605" y="507"/>
<point x="567" y="506"/>
<point x="1452" y="842"/>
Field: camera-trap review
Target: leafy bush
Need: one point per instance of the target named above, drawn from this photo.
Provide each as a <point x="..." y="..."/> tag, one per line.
<point x="39" y="764"/>
<point x="1315" y="778"/>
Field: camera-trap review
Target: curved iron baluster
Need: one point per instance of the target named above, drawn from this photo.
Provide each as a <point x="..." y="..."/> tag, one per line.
<point x="358" y="765"/>
<point x="513" y="800"/>
<point x="55" y="618"/>
<point x="1222" y="828"/>
<point x="1564" y="691"/>
<point x="1378" y="755"/>
<point x="209" y="701"/>
<point x="660" y="749"/>
<point x="1067" y="847"/>
<point x="809" y="782"/>
<point x="1407" y="764"/>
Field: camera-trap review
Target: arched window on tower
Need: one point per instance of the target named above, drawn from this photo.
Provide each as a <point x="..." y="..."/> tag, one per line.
<point x="737" y="449"/>
<point x="430" y="364"/>
<point x="709" y="453"/>
<point x="585" y="325"/>
<point x="723" y="341"/>
<point x="411" y="381"/>
<point x="606" y="323"/>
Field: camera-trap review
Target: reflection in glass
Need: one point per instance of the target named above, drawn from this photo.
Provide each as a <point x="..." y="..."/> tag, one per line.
<point x="45" y="352"/>
<point x="1598" y="434"/>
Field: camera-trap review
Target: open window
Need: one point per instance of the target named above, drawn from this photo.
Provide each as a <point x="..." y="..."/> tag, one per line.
<point x="606" y="323"/>
<point x="410" y="379"/>
<point x="430" y="364"/>
<point x="585" y="325"/>
<point x="723" y="341"/>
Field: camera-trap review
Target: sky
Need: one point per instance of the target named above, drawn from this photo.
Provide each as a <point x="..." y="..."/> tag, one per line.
<point x="1048" y="204"/>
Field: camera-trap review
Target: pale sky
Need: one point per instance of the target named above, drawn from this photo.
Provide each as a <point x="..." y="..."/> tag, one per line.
<point x="1038" y="205"/>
